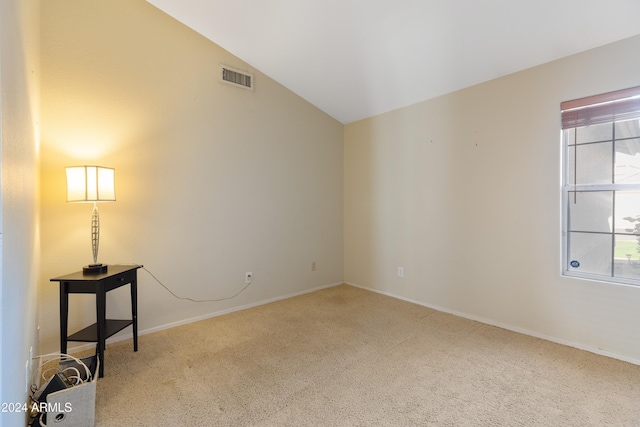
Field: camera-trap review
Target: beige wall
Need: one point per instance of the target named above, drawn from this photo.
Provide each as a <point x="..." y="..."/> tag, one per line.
<point x="212" y="181"/>
<point x="463" y="191"/>
<point x="19" y="84"/>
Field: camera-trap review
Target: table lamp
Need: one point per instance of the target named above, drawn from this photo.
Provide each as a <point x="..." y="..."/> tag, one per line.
<point x="86" y="184"/>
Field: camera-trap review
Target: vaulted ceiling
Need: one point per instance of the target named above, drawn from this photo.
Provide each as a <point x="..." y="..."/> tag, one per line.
<point x="358" y="58"/>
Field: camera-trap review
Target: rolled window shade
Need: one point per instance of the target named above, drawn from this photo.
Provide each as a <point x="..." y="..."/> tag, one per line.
<point x="605" y="108"/>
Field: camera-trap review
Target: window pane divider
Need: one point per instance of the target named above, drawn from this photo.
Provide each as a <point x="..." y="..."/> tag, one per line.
<point x="602" y="187"/>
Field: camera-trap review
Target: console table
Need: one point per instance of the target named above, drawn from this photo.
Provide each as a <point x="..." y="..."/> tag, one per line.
<point x="98" y="284"/>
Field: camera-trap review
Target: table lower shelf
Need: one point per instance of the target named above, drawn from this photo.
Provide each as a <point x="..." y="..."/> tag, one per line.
<point x="90" y="333"/>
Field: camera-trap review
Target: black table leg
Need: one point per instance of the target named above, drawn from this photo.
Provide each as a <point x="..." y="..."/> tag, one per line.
<point x="134" y="312"/>
<point x="101" y="326"/>
<point x="64" y="316"/>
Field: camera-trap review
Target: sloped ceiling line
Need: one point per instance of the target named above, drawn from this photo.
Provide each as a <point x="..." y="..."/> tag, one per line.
<point x="358" y="58"/>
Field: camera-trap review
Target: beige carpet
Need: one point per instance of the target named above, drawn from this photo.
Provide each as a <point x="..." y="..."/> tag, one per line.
<point x="348" y="357"/>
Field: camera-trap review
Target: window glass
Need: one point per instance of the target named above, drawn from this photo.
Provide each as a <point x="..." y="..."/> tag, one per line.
<point x="591" y="163"/>
<point x="627" y="257"/>
<point x="627" y="208"/>
<point x="628" y="129"/>
<point x="591" y="211"/>
<point x="627" y="166"/>
<point x="590" y="253"/>
<point x="595" y="133"/>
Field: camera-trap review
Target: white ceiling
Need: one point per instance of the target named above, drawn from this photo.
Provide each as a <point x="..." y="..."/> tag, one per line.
<point x="357" y="58"/>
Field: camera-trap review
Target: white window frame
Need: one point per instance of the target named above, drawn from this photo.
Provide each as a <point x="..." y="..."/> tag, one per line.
<point x="600" y="109"/>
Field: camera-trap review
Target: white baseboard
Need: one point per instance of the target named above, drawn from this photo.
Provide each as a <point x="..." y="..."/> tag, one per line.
<point x="504" y="326"/>
<point x="129" y="335"/>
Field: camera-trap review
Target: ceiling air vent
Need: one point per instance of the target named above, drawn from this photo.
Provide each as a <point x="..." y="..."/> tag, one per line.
<point x="235" y="77"/>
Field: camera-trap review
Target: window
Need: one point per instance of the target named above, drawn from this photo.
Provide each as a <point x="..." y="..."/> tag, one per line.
<point x="601" y="187"/>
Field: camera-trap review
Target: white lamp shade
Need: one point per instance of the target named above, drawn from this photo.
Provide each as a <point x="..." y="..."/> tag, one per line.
<point x="90" y="184"/>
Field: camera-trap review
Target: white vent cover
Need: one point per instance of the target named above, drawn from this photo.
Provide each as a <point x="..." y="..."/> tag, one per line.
<point x="236" y="77"/>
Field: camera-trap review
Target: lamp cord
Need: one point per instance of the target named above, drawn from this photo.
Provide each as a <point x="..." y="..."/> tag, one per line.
<point x="191" y="299"/>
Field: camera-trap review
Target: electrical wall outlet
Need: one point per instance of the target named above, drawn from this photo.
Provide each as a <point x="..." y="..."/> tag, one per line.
<point x="313" y="266"/>
<point x="400" y="271"/>
<point x="248" y="277"/>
